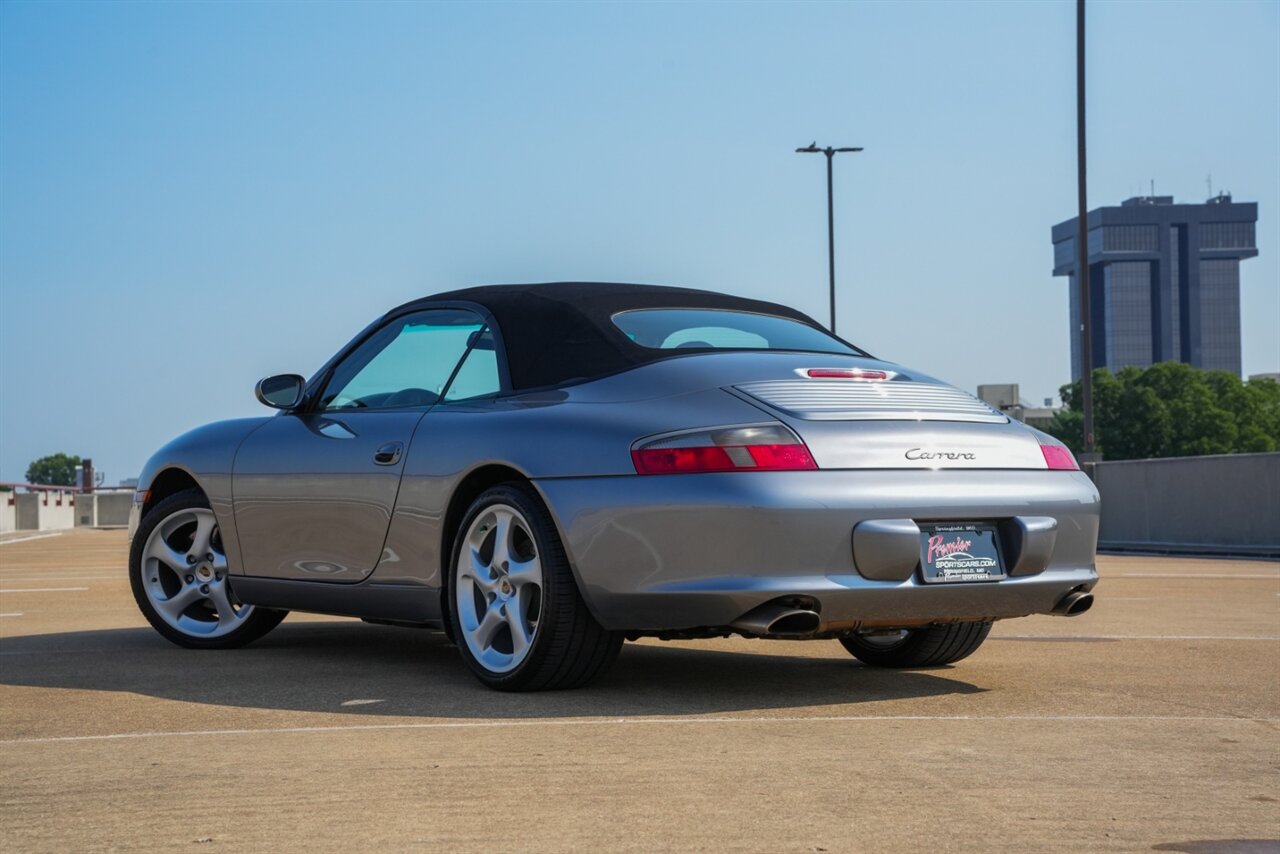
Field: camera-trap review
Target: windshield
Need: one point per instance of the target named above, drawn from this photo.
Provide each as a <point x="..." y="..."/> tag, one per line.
<point x="715" y="329"/>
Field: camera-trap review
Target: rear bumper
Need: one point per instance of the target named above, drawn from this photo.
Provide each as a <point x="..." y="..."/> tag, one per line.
<point x="667" y="553"/>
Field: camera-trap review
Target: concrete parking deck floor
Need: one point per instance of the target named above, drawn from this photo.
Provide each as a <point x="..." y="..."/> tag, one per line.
<point x="1150" y="723"/>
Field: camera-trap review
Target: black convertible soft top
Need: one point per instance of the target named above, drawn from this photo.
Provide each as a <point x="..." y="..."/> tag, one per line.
<point x="561" y="332"/>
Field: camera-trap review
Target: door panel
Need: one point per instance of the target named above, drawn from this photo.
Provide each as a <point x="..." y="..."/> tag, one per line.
<point x="314" y="493"/>
<point x="314" y="490"/>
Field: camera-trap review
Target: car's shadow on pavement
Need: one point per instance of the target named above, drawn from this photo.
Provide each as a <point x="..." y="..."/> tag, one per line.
<point x="358" y="669"/>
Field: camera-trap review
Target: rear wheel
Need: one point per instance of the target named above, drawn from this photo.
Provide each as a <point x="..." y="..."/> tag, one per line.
<point x="924" y="647"/>
<point x="515" y="610"/>
<point x="178" y="571"/>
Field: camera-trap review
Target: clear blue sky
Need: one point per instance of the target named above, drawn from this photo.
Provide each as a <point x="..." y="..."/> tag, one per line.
<point x="193" y="195"/>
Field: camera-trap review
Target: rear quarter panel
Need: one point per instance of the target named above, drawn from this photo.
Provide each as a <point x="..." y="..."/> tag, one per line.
<point x="543" y="437"/>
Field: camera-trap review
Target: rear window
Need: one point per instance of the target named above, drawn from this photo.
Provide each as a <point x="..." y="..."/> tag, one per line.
<point x="715" y="329"/>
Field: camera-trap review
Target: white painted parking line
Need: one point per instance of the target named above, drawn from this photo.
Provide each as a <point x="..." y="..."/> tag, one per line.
<point x="598" y="722"/>
<point x="16" y="569"/>
<point x="56" y="577"/>
<point x="28" y="539"/>
<point x="48" y="651"/>
<point x="12" y="614"/>
<point x="42" y="589"/>
<point x="1264" y="577"/>
<point x="1142" y="637"/>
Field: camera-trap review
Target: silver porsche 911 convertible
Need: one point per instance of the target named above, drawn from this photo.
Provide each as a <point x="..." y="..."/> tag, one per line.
<point x="543" y="471"/>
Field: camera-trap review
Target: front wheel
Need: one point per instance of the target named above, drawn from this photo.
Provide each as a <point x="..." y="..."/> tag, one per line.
<point x="178" y="571"/>
<point x="515" y="610"/>
<point x="929" y="646"/>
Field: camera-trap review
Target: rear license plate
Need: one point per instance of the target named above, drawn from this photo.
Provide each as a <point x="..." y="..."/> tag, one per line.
<point x="955" y="553"/>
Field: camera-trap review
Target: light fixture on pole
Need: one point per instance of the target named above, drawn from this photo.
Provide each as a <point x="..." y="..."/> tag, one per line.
<point x="813" y="148"/>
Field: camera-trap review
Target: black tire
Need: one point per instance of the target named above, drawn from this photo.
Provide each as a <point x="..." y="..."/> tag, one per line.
<point x="569" y="648"/>
<point x="255" y="624"/>
<point x="930" y="646"/>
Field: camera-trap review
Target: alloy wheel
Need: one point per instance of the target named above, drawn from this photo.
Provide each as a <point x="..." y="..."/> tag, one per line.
<point x="184" y="575"/>
<point x="499" y="588"/>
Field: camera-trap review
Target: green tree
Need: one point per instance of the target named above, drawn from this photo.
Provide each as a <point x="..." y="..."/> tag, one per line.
<point x="54" y="470"/>
<point x="1171" y="410"/>
<point x="1199" y="425"/>
<point x="1140" y="425"/>
<point x="1256" y="405"/>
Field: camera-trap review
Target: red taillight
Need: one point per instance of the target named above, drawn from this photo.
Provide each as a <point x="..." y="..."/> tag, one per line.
<point x="846" y="374"/>
<point x="756" y="448"/>
<point x="1058" y="458"/>
<point x="781" y="457"/>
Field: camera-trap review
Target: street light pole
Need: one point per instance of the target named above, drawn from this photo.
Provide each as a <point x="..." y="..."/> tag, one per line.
<point x="1082" y="247"/>
<point x="831" y="217"/>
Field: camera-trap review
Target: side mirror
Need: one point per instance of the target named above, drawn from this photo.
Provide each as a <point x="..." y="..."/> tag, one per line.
<point x="283" y="391"/>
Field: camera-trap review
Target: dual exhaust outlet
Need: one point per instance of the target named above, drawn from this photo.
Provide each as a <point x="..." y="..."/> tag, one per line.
<point x="780" y="619"/>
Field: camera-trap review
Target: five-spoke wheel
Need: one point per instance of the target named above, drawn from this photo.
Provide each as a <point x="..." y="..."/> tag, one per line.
<point x="178" y="570"/>
<point x="515" y="609"/>
<point x="499" y="590"/>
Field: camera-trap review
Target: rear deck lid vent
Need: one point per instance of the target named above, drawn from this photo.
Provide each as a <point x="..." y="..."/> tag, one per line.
<point x="897" y="400"/>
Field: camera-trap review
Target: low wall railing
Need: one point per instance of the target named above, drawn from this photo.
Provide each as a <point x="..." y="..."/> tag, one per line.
<point x="1218" y="504"/>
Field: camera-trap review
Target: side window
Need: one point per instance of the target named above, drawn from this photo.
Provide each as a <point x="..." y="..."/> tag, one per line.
<point x="478" y="376"/>
<point x="404" y="364"/>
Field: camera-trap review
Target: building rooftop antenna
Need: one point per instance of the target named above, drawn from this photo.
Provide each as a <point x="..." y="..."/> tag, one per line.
<point x="1209" y="183"/>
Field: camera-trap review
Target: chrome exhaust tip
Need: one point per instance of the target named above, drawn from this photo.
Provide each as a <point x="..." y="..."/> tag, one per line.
<point x="1073" y="604"/>
<point x="778" y="620"/>
<point x="795" y="622"/>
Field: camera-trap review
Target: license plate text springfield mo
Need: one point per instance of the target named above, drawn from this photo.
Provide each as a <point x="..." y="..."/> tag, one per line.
<point x="958" y="552"/>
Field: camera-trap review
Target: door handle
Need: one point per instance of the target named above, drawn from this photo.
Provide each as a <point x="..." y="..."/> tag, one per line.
<point x="388" y="454"/>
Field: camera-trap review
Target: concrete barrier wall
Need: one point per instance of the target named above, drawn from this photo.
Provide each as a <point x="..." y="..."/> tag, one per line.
<point x="44" y="511"/>
<point x="57" y="511"/>
<point x="86" y="511"/>
<point x="28" y="511"/>
<point x="114" y="507"/>
<point x="1228" y="503"/>
<point x="103" y="509"/>
<point x="52" y="510"/>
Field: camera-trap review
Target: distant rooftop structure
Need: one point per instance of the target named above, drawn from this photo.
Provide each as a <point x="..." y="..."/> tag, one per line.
<point x="1147" y="200"/>
<point x="1007" y="398"/>
<point x="1164" y="281"/>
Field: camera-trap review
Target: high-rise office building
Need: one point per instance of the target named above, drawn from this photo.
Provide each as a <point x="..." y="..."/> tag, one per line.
<point x="1164" y="281"/>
